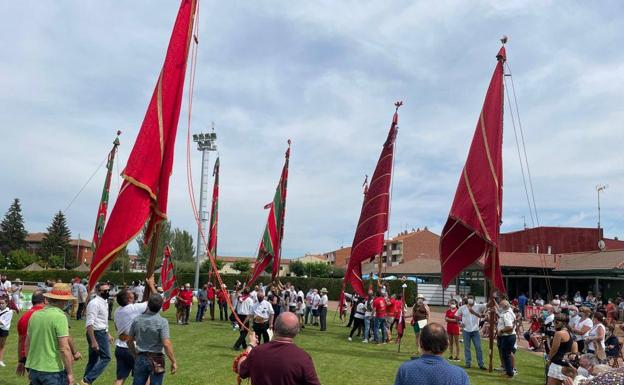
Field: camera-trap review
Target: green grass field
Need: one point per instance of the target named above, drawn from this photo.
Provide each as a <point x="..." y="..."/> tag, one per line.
<point x="204" y="353"/>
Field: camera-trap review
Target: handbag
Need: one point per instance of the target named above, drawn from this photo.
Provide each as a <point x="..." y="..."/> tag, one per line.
<point x="157" y="362"/>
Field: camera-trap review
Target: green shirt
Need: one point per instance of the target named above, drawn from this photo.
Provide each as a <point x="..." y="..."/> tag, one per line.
<point x="44" y="329"/>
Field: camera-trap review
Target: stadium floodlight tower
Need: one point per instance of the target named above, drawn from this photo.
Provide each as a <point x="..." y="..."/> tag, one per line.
<point x="206" y="142"/>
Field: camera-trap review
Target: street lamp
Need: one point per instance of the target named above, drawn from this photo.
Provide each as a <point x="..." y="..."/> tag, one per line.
<point x="205" y="144"/>
<point x="600" y="188"/>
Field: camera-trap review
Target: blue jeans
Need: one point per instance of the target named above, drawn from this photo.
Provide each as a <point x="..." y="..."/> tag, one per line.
<point x="476" y="339"/>
<point x="506" y="347"/>
<point x="47" y="378"/>
<point x="98" y="360"/>
<point x="367" y="322"/>
<point x="143" y="371"/>
<point x="379" y="323"/>
<point x="201" y="310"/>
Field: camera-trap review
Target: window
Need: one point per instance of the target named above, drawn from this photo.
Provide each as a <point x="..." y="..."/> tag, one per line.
<point x="384" y="259"/>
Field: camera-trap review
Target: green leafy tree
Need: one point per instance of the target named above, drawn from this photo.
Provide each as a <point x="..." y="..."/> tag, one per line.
<point x="121" y="262"/>
<point x="17" y="259"/>
<point x="297" y="268"/>
<point x="182" y="245"/>
<point x="164" y="238"/>
<point x="56" y="240"/>
<point x="242" y="266"/>
<point x="312" y="269"/>
<point x="55" y="262"/>
<point x="12" y="230"/>
<point x="205" y="266"/>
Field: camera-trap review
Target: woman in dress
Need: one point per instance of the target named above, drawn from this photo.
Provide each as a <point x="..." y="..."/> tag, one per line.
<point x="595" y="339"/>
<point x="452" y="328"/>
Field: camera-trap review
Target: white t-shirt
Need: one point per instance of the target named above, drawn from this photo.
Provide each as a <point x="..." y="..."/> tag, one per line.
<point x="469" y="320"/>
<point x="506" y="319"/>
<point x="580" y="324"/>
<point x="138" y="292"/>
<point x="263" y="309"/>
<point x="5" y="318"/>
<point x="124" y="316"/>
<point x="360" y="310"/>
<point x="244" y="306"/>
<point x="308" y="298"/>
<point x="316" y="299"/>
<point x="539" y="302"/>
<point x="593" y="333"/>
<point x="324" y="300"/>
<point x="5" y="288"/>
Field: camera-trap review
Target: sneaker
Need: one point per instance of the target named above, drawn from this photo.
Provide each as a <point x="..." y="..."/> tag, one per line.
<point x="483" y="368"/>
<point x="364" y="341"/>
<point x="499" y="369"/>
<point x="2" y="364"/>
<point x="515" y="371"/>
<point x="350" y="339"/>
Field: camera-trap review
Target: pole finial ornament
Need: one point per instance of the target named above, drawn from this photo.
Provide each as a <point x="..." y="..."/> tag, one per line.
<point x="398" y="104"/>
<point x="504" y="39"/>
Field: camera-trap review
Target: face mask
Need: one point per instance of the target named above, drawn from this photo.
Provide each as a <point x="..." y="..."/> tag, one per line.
<point x="470" y="301"/>
<point x="572" y="313"/>
<point x="104" y="294"/>
<point x="3" y="306"/>
<point x="453" y="306"/>
<point x="420" y="301"/>
<point x="3" y="280"/>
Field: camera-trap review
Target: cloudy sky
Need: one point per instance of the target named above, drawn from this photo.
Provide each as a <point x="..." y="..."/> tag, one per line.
<point x="324" y="74"/>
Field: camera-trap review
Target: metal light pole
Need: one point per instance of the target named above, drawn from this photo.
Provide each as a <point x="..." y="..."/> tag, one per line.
<point x="205" y="143"/>
<point x="600" y="188"/>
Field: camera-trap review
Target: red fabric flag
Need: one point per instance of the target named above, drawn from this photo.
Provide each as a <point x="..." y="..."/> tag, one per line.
<point x="168" y="279"/>
<point x="143" y="195"/>
<point x="369" y="235"/>
<point x="271" y="243"/>
<point x="214" y="219"/>
<point x="473" y="225"/>
<point x="401" y="321"/>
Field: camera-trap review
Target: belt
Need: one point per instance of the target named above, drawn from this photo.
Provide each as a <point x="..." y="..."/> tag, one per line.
<point x="151" y="354"/>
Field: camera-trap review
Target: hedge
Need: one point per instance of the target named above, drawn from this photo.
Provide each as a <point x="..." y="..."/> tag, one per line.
<point x="333" y="285"/>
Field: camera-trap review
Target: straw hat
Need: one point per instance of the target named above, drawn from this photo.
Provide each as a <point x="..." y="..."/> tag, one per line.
<point x="420" y="296"/>
<point x="60" y="291"/>
<point x="323" y="290"/>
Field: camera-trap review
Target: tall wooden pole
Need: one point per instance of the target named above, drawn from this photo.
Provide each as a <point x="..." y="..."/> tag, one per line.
<point x="151" y="262"/>
<point x="492" y="303"/>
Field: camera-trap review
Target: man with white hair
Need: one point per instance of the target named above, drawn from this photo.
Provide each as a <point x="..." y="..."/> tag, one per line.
<point x="506" y="335"/>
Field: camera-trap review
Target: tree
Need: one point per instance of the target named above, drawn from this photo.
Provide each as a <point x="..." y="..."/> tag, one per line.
<point x="164" y="238"/>
<point x="12" y="230"/>
<point x="297" y="268"/>
<point x="182" y="246"/>
<point x="312" y="269"/>
<point x="56" y="240"/>
<point x="205" y="266"/>
<point x="55" y="262"/>
<point x="242" y="266"/>
<point x="17" y="259"/>
<point x="121" y="262"/>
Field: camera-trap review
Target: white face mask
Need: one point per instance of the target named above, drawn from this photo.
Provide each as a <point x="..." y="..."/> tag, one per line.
<point x="453" y="306"/>
<point x="470" y="301"/>
<point x="420" y="301"/>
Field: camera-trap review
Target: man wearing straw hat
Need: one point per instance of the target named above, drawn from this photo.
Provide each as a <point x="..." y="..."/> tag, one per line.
<point x="323" y="309"/>
<point x="49" y="355"/>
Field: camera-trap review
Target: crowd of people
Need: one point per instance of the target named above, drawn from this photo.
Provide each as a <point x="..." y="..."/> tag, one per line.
<point x="580" y="338"/>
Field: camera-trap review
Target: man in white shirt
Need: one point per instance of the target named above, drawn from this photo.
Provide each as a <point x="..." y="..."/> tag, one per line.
<point x="98" y="337"/>
<point x="308" y="302"/>
<point x="125" y="314"/>
<point x="469" y="314"/>
<point x="506" y="336"/>
<point x="316" y="299"/>
<point x="80" y="292"/>
<point x="254" y="294"/>
<point x="244" y="311"/>
<point x="5" y="287"/>
<point x="324" y="302"/>
<point x="262" y="318"/>
<point x="138" y="291"/>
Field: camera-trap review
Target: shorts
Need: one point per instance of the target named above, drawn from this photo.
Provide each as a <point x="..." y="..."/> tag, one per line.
<point x="416" y="327"/>
<point x="125" y="362"/>
<point x="315" y="312"/>
<point x="554" y="371"/>
<point x="4" y="333"/>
